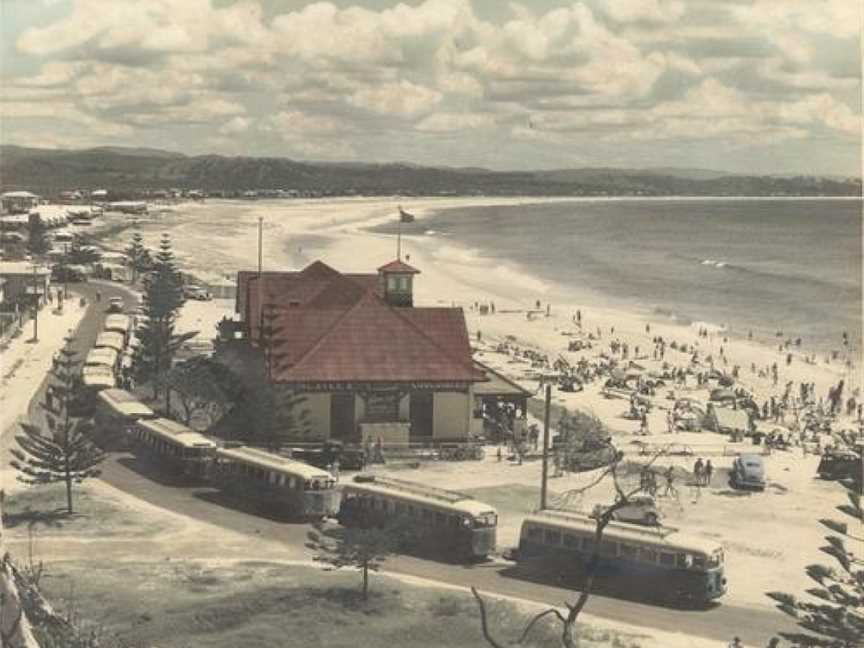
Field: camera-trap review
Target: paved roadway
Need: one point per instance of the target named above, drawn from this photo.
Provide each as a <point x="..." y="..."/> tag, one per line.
<point x="206" y="504"/>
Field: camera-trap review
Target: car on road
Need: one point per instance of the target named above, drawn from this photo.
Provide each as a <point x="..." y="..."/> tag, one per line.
<point x="748" y="471"/>
<point x="641" y="509"/>
<point x="197" y="292"/>
<point x="116" y="305"/>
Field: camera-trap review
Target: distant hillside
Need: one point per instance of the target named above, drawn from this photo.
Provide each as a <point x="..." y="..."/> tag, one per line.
<point x="131" y="170"/>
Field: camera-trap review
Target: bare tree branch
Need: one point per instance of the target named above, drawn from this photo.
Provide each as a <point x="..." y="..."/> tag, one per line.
<point x="484" y="625"/>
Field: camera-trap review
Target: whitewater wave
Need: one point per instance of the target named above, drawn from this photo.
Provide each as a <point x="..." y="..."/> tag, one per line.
<point x="713" y="262"/>
<point x="489" y="269"/>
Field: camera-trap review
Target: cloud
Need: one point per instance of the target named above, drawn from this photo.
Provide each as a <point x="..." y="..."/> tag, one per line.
<point x="331" y="79"/>
<point x="402" y="99"/>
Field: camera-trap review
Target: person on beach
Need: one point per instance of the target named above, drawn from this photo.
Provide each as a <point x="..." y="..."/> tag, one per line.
<point x="708" y="471"/>
<point x="697" y="471"/>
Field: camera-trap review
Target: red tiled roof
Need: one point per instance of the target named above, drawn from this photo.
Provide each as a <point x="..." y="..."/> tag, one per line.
<point x="398" y="266"/>
<point x="333" y="327"/>
<point x="374" y="342"/>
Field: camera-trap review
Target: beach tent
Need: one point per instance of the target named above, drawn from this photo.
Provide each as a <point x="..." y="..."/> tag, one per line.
<point x="728" y="421"/>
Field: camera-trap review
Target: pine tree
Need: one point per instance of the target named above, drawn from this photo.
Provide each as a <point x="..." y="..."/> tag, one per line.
<point x="137" y="256"/>
<point x="835" y="612"/>
<point x="37" y="236"/>
<point x="162" y="300"/>
<point x="66" y="454"/>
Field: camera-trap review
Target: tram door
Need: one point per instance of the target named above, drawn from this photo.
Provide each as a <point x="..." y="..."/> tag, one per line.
<point x="421" y="414"/>
<point x="342" y="422"/>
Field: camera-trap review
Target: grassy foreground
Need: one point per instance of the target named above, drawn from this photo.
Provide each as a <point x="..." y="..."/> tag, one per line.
<point x="258" y="605"/>
<point x="44" y="508"/>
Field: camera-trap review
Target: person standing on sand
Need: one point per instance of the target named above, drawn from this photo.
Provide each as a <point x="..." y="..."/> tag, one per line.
<point x="708" y="471"/>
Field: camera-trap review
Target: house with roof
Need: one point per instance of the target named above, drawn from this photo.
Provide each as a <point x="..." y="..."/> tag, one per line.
<point x="24" y="283"/>
<point x="18" y="202"/>
<point x="369" y="363"/>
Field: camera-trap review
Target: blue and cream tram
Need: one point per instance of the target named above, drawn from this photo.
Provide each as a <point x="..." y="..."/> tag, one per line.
<point x="446" y="522"/>
<point x="653" y="563"/>
<point x="175" y="446"/>
<point x="281" y="485"/>
<point x="114" y="418"/>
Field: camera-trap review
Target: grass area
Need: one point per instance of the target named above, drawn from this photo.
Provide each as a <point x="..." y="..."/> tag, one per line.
<point x="258" y="605"/>
<point x="44" y="507"/>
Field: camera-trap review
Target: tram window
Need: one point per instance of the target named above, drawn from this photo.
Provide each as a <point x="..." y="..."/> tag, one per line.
<point x="440" y="518"/>
<point x="667" y="559"/>
<point x="552" y="537"/>
<point x="587" y="544"/>
<point x="535" y="533"/>
<point x="647" y="555"/>
<point x="684" y="560"/>
<point x="571" y="541"/>
<point x="627" y="551"/>
<point x="399" y="508"/>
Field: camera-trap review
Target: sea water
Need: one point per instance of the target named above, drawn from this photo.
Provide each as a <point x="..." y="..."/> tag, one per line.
<point x="750" y="265"/>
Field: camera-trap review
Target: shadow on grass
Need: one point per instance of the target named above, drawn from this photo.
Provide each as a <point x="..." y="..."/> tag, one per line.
<point x="53" y="519"/>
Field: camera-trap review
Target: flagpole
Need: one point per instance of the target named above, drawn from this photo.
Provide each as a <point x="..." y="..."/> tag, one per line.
<point x="399" y="239"/>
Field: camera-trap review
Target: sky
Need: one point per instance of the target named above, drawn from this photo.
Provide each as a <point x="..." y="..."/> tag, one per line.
<point x="747" y="86"/>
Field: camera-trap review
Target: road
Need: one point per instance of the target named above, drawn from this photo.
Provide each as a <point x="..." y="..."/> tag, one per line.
<point x="718" y="623"/>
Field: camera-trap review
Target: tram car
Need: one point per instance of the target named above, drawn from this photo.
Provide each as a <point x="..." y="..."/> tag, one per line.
<point x="111" y="340"/>
<point x="174" y="446"/>
<point x="115" y="414"/>
<point x="278" y="484"/>
<point x="444" y="522"/>
<point x="102" y="357"/>
<point x="658" y="564"/>
<point x="118" y="323"/>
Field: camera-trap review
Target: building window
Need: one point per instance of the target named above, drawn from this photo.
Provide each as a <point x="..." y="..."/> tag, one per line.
<point x="392" y="283"/>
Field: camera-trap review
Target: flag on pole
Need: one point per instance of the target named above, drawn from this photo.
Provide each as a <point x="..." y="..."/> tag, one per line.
<point x="405" y="217"/>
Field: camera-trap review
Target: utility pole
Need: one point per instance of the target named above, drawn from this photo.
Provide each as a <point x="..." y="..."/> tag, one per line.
<point x="545" y="477"/>
<point x="65" y="271"/>
<point x="260" y="269"/>
<point x="35" y="303"/>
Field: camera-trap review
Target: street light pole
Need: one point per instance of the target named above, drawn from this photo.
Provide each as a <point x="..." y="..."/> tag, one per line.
<point x="545" y="477"/>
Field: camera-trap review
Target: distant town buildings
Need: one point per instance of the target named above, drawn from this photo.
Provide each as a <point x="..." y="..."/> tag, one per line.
<point x="18" y="202"/>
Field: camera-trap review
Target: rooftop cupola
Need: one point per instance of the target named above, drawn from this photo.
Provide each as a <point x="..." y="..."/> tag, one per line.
<point x="397" y="283"/>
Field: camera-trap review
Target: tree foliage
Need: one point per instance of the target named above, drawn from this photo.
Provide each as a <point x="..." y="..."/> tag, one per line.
<point x="37" y="236"/>
<point x="162" y="300"/>
<point x="204" y="388"/>
<point x="361" y="548"/>
<point x="138" y="258"/>
<point x="832" y="616"/>
<point x="277" y="415"/>
<point x="66" y="454"/>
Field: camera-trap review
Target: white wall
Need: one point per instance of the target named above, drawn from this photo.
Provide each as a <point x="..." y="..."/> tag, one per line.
<point x="451" y="415"/>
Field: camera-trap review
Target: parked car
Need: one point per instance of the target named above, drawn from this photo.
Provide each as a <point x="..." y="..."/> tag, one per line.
<point x="642" y="509"/>
<point x="197" y="292"/>
<point x="748" y="471"/>
<point x="116" y="305"/>
<point x="841" y="464"/>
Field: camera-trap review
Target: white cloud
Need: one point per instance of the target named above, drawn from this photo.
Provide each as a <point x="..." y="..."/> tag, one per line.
<point x="402" y="99"/>
<point x="661" y="11"/>
<point x="443" y="122"/>
<point x="235" y="126"/>
<point x="301" y="123"/>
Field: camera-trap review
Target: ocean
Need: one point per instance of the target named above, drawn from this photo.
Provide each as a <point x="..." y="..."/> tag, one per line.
<point x="750" y="265"/>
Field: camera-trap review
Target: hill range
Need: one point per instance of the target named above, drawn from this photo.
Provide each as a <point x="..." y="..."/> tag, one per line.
<point x="133" y="170"/>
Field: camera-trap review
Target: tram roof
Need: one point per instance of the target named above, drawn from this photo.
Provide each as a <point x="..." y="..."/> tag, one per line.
<point x="117" y="321"/>
<point x="178" y="433"/>
<point x="420" y="494"/>
<point x="97" y="376"/>
<point x="124" y="403"/>
<point x="101" y="356"/>
<point x="270" y="461"/>
<point x="111" y="340"/>
<point x="658" y="537"/>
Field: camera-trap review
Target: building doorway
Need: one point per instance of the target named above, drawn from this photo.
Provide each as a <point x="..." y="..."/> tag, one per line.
<point x="342" y="417"/>
<point x="422" y="414"/>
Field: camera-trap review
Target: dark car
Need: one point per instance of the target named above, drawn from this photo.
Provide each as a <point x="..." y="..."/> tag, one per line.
<point x="841" y="465"/>
<point x="748" y="471"/>
<point x="351" y="458"/>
